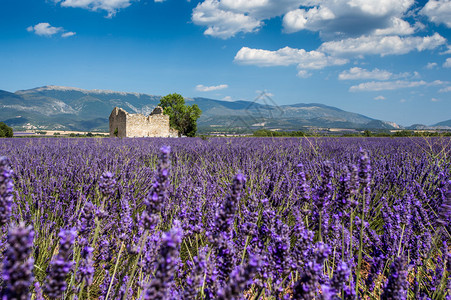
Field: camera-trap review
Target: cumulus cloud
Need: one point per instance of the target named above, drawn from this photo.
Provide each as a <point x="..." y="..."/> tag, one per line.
<point x="304" y="74"/>
<point x="334" y="18"/>
<point x="435" y="100"/>
<point x="386" y="85"/>
<point x="447" y="63"/>
<point x="358" y="73"/>
<point x="438" y="11"/>
<point x="68" y="34"/>
<point x="397" y="27"/>
<point x="285" y="57"/>
<point x="226" y="18"/>
<point x="379" y="98"/>
<point x="203" y="88"/>
<point x="445" y="90"/>
<point x="110" y="6"/>
<point x="311" y="19"/>
<point x="431" y="65"/>
<point x="44" y="29"/>
<point x="382" y="45"/>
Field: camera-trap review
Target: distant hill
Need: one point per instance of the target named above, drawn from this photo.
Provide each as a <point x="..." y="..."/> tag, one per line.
<point x="64" y="108"/>
<point x="446" y="123"/>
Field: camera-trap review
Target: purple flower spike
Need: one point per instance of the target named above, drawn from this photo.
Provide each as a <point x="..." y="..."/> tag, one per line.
<point x="445" y="209"/>
<point x="18" y="264"/>
<point x="86" y="269"/>
<point x="107" y="184"/>
<point x="6" y="190"/>
<point x="167" y="264"/>
<point x="165" y="149"/>
<point x="158" y="194"/>
<point x="397" y="284"/>
<point x="60" y="266"/>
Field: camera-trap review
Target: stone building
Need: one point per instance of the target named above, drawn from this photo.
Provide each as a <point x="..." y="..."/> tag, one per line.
<point x="123" y="124"/>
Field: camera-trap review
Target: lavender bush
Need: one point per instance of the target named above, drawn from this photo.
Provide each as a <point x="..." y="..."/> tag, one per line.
<point x="238" y="218"/>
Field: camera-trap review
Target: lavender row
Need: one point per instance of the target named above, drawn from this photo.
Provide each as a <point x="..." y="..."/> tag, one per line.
<point x="240" y="218"/>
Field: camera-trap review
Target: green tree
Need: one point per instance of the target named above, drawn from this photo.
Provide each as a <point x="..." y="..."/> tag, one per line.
<point x="5" y="130"/>
<point x="181" y="117"/>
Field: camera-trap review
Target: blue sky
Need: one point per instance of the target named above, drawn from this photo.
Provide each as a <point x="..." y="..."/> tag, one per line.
<point x="387" y="59"/>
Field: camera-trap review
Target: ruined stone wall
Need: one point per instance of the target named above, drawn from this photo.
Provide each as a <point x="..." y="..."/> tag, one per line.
<point x="152" y="126"/>
<point x="118" y="120"/>
<point x="138" y="125"/>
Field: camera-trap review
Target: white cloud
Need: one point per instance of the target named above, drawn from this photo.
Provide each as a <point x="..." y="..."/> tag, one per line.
<point x="223" y="23"/>
<point x="226" y="18"/>
<point x="358" y="73"/>
<point x="203" y="88"/>
<point x="44" y="29"/>
<point x="380" y="7"/>
<point x="379" y="98"/>
<point x="386" y="85"/>
<point x="431" y="65"/>
<point x="110" y="6"/>
<point x="438" y="11"/>
<point x="445" y="90"/>
<point x="435" y="100"/>
<point x="350" y="17"/>
<point x="227" y="98"/>
<point x="447" y="63"/>
<point x="382" y="45"/>
<point x="68" y="34"/>
<point x="397" y="27"/>
<point x="304" y="74"/>
<point x="311" y="19"/>
<point x="285" y="57"/>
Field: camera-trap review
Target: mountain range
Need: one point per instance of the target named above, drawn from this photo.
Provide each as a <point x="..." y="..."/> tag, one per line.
<point x="65" y="108"/>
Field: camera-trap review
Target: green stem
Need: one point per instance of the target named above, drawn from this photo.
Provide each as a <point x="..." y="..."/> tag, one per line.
<point x="115" y="269"/>
<point x="400" y="242"/>
<point x="144" y="238"/>
<point x="245" y="248"/>
<point x="80" y="293"/>
<point x="359" y="264"/>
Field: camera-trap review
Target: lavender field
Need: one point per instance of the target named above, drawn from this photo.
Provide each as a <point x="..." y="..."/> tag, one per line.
<point x="226" y="218"/>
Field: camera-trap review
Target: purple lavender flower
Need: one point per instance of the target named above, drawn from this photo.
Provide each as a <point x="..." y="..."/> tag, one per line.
<point x="6" y="190"/>
<point x="397" y="285"/>
<point x="159" y="192"/>
<point x="304" y="189"/>
<point x="279" y="254"/>
<point x="85" y="270"/>
<point x="444" y="212"/>
<point x="225" y="257"/>
<point x="38" y="291"/>
<point x="60" y="266"/>
<point x="307" y="286"/>
<point x="167" y="264"/>
<point x="365" y="176"/>
<point x="240" y="279"/>
<point x="107" y="184"/>
<point x="226" y="213"/>
<point x="87" y="218"/>
<point x="339" y="282"/>
<point x="195" y="279"/>
<point x="18" y="264"/>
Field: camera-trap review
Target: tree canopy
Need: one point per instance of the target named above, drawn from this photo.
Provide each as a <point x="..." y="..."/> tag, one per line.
<point x="5" y="130"/>
<point x="181" y="117"/>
